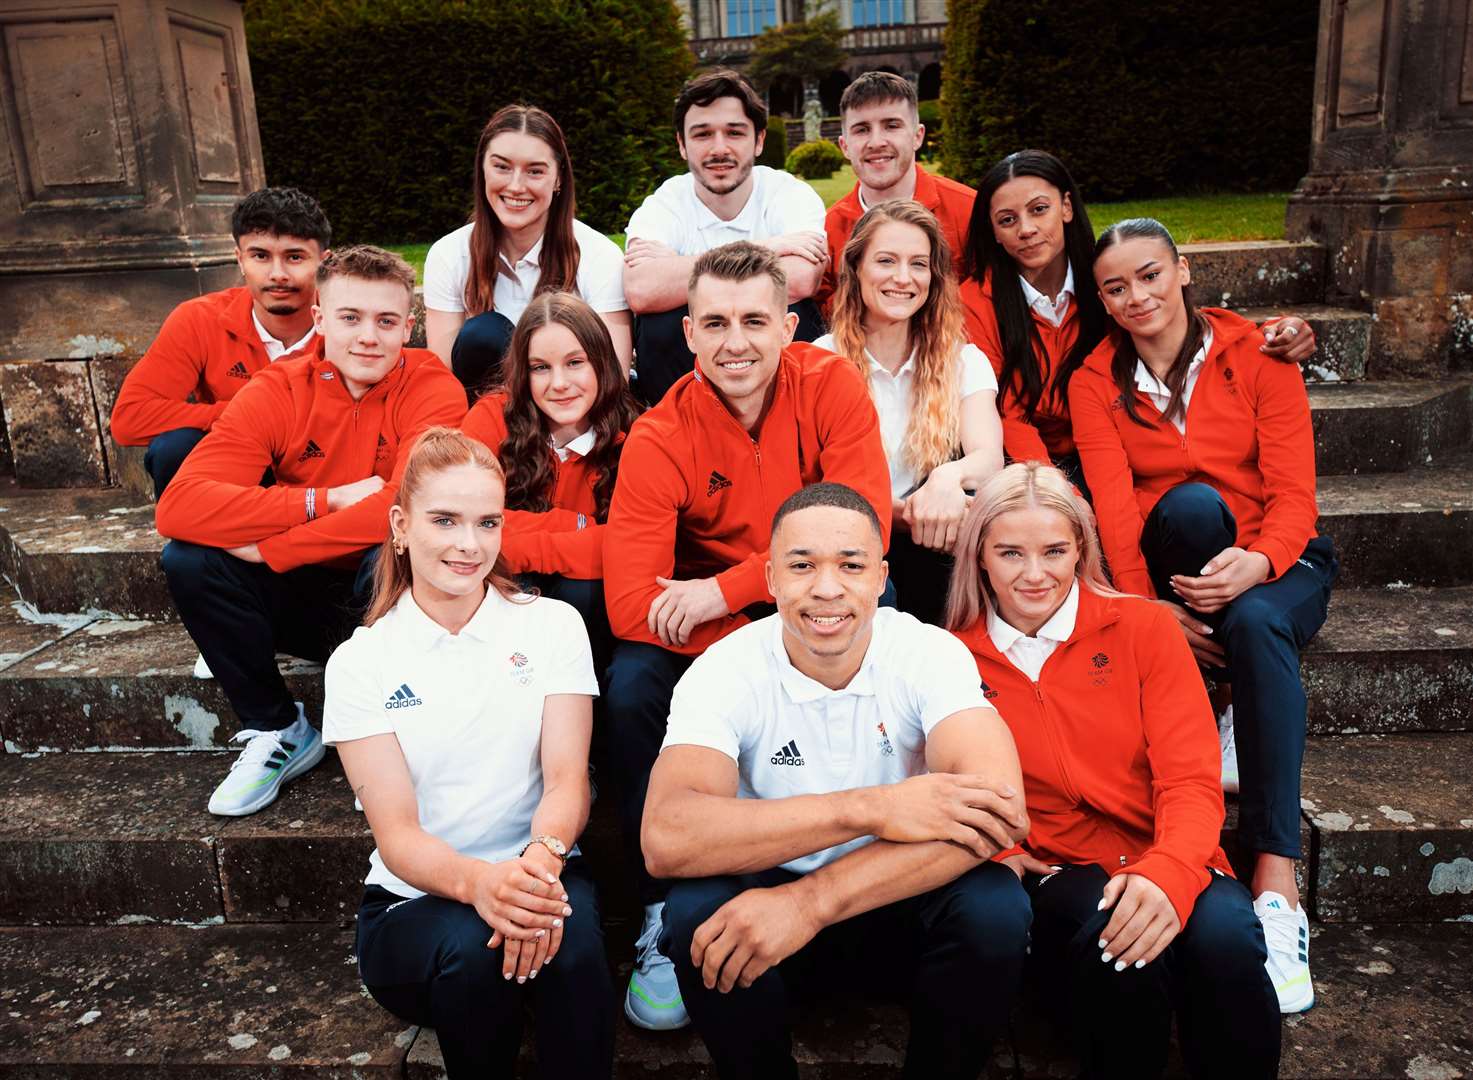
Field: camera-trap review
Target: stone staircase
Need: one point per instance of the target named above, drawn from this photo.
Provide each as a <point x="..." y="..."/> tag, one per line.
<point x="141" y="936"/>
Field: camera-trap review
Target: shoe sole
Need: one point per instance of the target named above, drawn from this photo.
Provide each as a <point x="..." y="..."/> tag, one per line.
<point x="1295" y="1008"/>
<point x="268" y="794"/>
<point x="645" y="1025"/>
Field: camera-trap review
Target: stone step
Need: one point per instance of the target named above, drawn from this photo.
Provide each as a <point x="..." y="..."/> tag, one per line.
<point x="1412" y="528"/>
<point x="1392" y="660"/>
<point x="1342" y="338"/>
<point x="1389" y="426"/>
<point x="1391" y="821"/>
<point x="1257" y="272"/>
<point x="252" y="1002"/>
<point x="1397" y="659"/>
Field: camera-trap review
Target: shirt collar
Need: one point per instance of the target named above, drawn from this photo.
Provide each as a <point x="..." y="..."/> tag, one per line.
<point x="927" y="192"/>
<point x="903" y="370"/>
<point x="707" y="219"/>
<point x="1058" y="628"/>
<point x="267" y="339"/>
<point x="533" y="258"/>
<point x="801" y="689"/>
<point x="1145" y="378"/>
<point x="1033" y="296"/>
<point x="580" y="446"/>
<point x="424" y="632"/>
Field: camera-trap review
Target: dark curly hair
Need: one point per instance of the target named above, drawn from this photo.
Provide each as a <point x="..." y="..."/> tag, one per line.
<point x="527" y="456"/>
<point x="281" y="211"/>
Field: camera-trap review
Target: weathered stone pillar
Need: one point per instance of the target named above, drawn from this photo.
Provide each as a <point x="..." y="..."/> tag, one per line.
<point x="1390" y="183"/>
<point x="130" y="132"/>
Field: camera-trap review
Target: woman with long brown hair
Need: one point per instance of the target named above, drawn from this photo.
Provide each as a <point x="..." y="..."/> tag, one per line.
<point x="557" y="422"/>
<point x="522" y="240"/>
<point x="896" y="315"/>
<point x="455" y="682"/>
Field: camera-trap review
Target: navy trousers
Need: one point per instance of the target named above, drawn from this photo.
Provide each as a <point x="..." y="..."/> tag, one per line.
<point x="476" y="355"/>
<point x="1262" y="631"/>
<point x="1211" y="976"/>
<point x="921" y="578"/>
<point x="955" y="953"/>
<point x="662" y="355"/>
<point x="426" y="961"/>
<point x="242" y="614"/>
<point x="166" y="452"/>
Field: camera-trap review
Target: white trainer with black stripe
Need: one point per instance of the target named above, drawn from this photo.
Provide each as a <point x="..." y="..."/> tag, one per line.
<point x="1286" y="932"/>
<point x="269" y="760"/>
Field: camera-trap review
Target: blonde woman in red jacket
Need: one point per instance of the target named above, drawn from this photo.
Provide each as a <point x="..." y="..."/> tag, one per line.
<point x="1134" y="904"/>
<point x="1200" y="454"/>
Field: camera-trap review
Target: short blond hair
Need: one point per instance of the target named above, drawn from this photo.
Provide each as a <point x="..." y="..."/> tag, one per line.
<point x="740" y="261"/>
<point x="367" y="262"/>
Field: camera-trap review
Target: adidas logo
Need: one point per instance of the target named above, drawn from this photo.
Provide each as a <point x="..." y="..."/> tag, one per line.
<point x="312" y="451"/>
<point x="403" y="698"/>
<point x="239" y="371"/>
<point x="788" y="755"/>
<point x="716" y="483"/>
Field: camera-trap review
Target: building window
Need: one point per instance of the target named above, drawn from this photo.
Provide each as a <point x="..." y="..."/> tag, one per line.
<point x="748" y="18"/>
<point x="878" y="12"/>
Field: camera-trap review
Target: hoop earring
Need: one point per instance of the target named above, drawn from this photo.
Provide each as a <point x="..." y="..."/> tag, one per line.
<point x="398" y="546"/>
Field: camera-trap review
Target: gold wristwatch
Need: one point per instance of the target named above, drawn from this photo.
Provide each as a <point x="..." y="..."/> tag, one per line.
<point x="552" y="844"/>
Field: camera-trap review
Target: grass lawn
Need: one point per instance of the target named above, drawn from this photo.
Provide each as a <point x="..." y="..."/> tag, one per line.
<point x="1191" y="218"/>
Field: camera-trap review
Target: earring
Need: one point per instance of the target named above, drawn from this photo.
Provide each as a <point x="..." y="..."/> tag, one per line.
<point x="398" y="546"/>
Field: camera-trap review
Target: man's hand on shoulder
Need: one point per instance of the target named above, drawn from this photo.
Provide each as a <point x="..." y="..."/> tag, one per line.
<point x="751" y="933"/>
<point x="966" y="810"/>
<point x="345" y="495"/>
<point x="683" y="606"/>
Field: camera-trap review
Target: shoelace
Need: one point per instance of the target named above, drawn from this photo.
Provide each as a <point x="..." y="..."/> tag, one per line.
<point x="647" y="947"/>
<point x="1281" y="930"/>
<point x="260" y="745"/>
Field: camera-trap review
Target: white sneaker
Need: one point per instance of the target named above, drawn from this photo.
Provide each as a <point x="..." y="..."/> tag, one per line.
<point x="1286" y="932"/>
<point x="269" y="760"/>
<point x="1229" y="746"/>
<point x="202" y="669"/>
<point x="653" y="999"/>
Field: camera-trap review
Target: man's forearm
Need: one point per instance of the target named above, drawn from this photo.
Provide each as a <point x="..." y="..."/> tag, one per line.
<point x="878" y="874"/>
<point x="658" y="284"/>
<point x="692" y="834"/>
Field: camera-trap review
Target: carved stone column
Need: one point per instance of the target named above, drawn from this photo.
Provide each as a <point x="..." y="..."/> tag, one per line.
<point x="130" y="132"/>
<point x="1390" y="186"/>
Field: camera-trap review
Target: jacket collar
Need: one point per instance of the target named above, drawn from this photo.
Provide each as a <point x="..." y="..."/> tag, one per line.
<point x="1228" y="328"/>
<point x="1095" y="613"/>
<point x="782" y="386"/>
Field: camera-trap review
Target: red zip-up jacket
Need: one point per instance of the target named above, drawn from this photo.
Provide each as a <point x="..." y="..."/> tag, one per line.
<point x="207" y="347"/>
<point x="697" y="492"/>
<point x="1121" y="766"/>
<point x="565" y="540"/>
<point x="1048" y="436"/>
<point x="950" y="200"/>
<point x="298" y="420"/>
<point x="1248" y="434"/>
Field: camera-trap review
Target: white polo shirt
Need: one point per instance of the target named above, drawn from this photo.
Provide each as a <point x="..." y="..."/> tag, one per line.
<point x="1053" y="309"/>
<point x="467" y="711"/>
<point x="790" y="735"/>
<point x="275" y="349"/>
<point x="893" y="394"/>
<point x="1029" y="654"/>
<point x="1160" y="394"/>
<point x="672" y="214"/>
<point x="600" y="278"/>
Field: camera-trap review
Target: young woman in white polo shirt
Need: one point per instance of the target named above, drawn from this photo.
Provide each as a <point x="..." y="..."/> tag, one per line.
<point x="522" y="240"/>
<point x="462" y="711"/>
<point x="896" y="314"/>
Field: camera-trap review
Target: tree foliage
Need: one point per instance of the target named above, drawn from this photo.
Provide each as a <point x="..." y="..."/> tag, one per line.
<point x="806" y="50"/>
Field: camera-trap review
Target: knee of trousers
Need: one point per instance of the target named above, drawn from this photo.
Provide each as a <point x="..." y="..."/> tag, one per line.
<point x="1225" y="945"/>
<point x="690" y="903"/>
<point x="633" y="696"/>
<point x="662" y="329"/>
<point x="186" y="564"/>
<point x="1254" y="625"/>
<point x="987" y="913"/>
<point x="1193" y="508"/>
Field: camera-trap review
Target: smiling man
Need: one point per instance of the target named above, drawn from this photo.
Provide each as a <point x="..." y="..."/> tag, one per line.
<point x="720" y="128"/>
<point x="256" y="570"/>
<point x="211" y="345"/>
<point x="686" y="543"/>
<point x="881" y="133"/>
<point x="832" y="788"/>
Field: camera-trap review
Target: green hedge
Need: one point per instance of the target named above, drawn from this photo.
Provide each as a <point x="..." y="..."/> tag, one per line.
<point x="374" y="106"/>
<point x="1188" y="96"/>
<point x="775" y="146"/>
<point x="816" y="160"/>
<point x="931" y="116"/>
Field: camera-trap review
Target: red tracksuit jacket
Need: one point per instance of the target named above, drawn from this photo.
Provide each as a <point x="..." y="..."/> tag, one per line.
<point x="207" y="347"/>
<point x="549" y="542"/>
<point x="697" y="492"/>
<point x="1248" y="434"/>
<point x="1121" y="766"/>
<point x="297" y="419"/>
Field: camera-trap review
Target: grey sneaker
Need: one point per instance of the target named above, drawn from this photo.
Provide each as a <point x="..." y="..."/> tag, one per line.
<point x="653" y="1000"/>
<point x="270" y="759"/>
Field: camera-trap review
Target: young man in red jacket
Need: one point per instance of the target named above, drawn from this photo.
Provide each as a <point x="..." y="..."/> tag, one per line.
<point x="881" y="134"/>
<point x="685" y="547"/>
<point x="211" y="345"/>
<point x="259" y="570"/>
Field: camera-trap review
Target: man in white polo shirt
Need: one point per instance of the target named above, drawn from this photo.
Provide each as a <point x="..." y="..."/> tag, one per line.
<point x="720" y="127"/>
<point x="815" y="849"/>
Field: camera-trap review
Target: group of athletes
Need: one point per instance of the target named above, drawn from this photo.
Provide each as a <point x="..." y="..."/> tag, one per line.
<point x="936" y="569"/>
